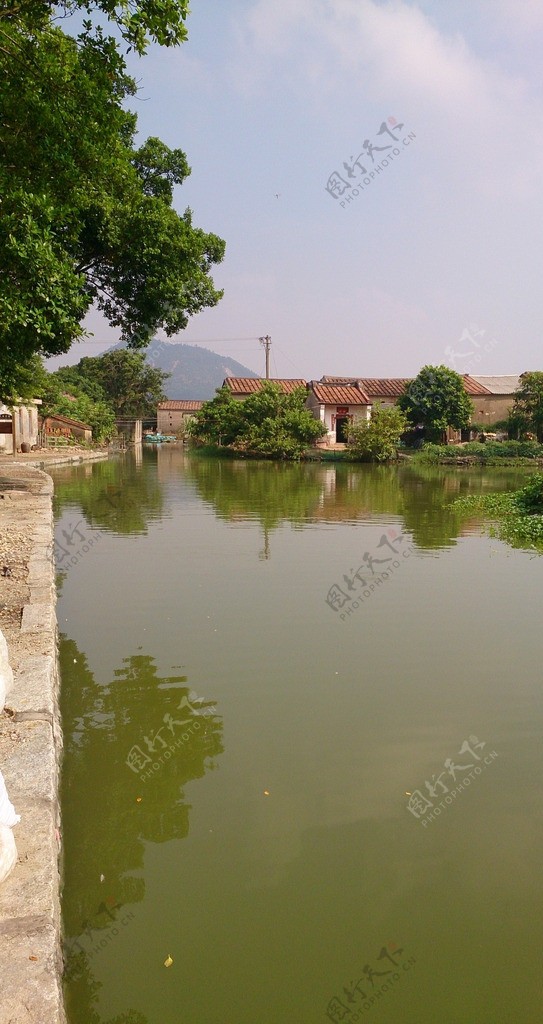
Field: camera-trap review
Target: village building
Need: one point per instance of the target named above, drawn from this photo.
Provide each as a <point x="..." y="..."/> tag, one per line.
<point x="242" y="387"/>
<point x="337" y="406"/>
<point x="56" y="427"/>
<point x="19" y="428"/>
<point x="498" y="400"/>
<point x="174" y="415"/>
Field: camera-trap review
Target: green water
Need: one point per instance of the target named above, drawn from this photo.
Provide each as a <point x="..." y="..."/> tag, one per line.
<point x="246" y="709"/>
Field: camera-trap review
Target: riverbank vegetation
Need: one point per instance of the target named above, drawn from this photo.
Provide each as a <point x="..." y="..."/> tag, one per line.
<point x="515" y="516"/>
<point x="268" y="424"/>
<point x="489" y="453"/>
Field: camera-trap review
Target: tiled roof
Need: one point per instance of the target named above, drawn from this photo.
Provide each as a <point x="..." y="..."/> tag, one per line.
<point x="66" y="421"/>
<point x="392" y="387"/>
<point x="180" y="405"/>
<point x="503" y="384"/>
<point x="339" y="394"/>
<point x="251" y="385"/>
<point x="473" y="387"/>
<point x="389" y="387"/>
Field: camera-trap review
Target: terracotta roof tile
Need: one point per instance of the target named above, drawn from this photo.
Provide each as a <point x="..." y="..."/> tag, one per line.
<point x="251" y="385"/>
<point x="180" y="405"/>
<point x="339" y="394"/>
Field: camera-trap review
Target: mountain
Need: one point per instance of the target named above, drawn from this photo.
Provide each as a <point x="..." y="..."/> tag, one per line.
<point x="195" y="372"/>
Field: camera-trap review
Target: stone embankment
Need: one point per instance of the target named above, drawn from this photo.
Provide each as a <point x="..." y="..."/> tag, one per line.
<point x="31" y="743"/>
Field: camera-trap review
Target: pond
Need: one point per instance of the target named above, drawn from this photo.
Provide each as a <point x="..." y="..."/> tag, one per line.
<point x="302" y="717"/>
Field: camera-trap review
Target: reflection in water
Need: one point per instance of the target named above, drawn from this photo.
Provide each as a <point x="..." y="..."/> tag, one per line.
<point x="113" y="497"/>
<point x="132" y="745"/>
<point x="276" y="493"/>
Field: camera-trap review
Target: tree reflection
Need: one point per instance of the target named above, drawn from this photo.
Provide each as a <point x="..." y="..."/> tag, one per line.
<point x="137" y="802"/>
<point x="113" y="495"/>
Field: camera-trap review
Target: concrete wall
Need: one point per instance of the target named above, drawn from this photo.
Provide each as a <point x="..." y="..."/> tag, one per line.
<point x="30" y="953"/>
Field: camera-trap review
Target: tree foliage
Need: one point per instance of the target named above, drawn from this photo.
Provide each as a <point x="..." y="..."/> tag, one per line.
<point x="527" y="412"/>
<point x="139" y="21"/>
<point x="268" y="423"/>
<point x="132" y="388"/>
<point x="437" y="399"/>
<point x="377" y="439"/>
<point x="87" y="217"/>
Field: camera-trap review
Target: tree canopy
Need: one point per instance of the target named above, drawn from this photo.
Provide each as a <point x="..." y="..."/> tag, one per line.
<point x="436" y="399"/>
<point x="527" y="410"/>
<point x="86" y="216"/>
<point x="268" y="423"/>
<point x="377" y="439"/>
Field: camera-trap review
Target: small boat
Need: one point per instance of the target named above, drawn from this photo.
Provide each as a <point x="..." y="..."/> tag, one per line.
<point x="158" y="438"/>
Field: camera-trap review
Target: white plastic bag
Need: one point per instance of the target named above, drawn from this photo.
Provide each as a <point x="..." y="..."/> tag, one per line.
<point x="8" y="852"/>
<point x="8" y="817"/>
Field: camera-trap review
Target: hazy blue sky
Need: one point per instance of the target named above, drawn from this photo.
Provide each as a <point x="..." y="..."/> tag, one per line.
<point x="269" y="97"/>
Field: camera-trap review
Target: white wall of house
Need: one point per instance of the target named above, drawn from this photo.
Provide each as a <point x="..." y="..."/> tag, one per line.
<point x="328" y="415"/>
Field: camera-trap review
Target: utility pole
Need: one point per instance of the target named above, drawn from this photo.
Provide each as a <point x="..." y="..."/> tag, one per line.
<point x="266" y="342"/>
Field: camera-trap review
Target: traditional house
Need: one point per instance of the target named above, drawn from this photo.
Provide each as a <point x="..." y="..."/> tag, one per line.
<point x="175" y="414"/>
<point x="19" y="429"/>
<point x="242" y="387"/>
<point x="337" y="406"/>
<point x="55" y="426"/>
<point x="387" y="390"/>
<point x="497" y="401"/>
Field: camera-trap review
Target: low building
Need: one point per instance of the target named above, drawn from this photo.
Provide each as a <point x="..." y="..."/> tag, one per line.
<point x="56" y="426"/>
<point x="19" y="426"/>
<point x="499" y="399"/>
<point x="174" y="415"/>
<point x="337" y="406"/>
<point x="242" y="387"/>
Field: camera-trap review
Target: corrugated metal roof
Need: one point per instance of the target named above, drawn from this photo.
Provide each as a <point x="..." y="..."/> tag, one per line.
<point x="339" y="394"/>
<point x="502" y="384"/>
<point x="251" y="385"/>
<point x="180" y="405"/>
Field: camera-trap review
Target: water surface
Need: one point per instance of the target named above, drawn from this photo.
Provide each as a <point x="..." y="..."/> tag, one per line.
<point x="260" y="662"/>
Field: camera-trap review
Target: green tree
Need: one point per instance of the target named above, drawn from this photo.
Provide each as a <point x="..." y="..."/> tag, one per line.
<point x="77" y="405"/>
<point x="437" y="399"/>
<point x="86" y="217"/>
<point x="219" y="421"/>
<point x="527" y="412"/>
<point x="268" y="423"/>
<point x="139" y="21"/>
<point x="132" y="388"/>
<point x="377" y="439"/>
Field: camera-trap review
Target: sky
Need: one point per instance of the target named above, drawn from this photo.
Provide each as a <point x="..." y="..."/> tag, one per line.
<point x="432" y="259"/>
